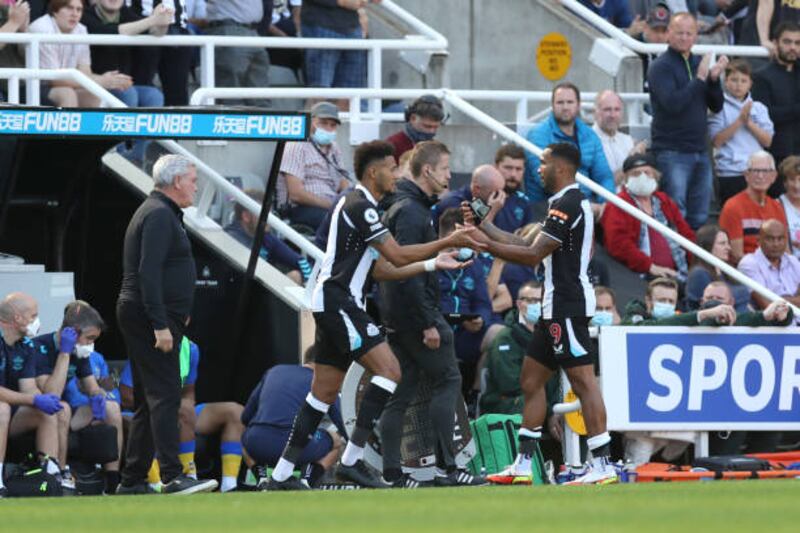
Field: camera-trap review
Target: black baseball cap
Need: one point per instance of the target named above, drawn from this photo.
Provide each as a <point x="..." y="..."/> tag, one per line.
<point x="638" y="160"/>
<point x="658" y="16"/>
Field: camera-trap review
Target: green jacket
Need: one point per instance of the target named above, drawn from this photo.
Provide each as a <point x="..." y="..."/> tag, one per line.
<point x="636" y="315"/>
<point x="503" y="394"/>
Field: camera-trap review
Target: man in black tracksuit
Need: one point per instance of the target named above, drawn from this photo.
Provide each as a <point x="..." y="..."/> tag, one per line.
<point x="417" y="332"/>
<point x="152" y="311"/>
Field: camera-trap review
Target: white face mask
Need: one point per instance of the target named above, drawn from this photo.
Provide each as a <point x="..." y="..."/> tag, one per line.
<point x="32" y="329"/>
<point x="82" y="351"/>
<point x="641" y="185"/>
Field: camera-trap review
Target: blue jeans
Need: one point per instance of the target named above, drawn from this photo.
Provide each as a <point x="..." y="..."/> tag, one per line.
<point x="687" y="179"/>
<point x="334" y="68"/>
<point x="140" y="96"/>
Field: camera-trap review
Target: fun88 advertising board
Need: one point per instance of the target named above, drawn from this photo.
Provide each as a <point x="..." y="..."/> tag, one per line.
<point x="671" y="378"/>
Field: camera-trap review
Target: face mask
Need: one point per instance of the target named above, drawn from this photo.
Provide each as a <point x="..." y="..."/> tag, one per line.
<point x="323" y="137"/>
<point x="603" y="318"/>
<point x="418" y="136"/>
<point x="82" y="351"/>
<point x="32" y="329"/>
<point x="464" y="254"/>
<point x="663" y="310"/>
<point x="533" y="312"/>
<point x="641" y="185"/>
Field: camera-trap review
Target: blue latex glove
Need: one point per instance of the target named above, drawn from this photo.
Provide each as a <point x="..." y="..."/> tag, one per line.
<point x="47" y="403"/>
<point x="98" y="404"/>
<point x="67" y="340"/>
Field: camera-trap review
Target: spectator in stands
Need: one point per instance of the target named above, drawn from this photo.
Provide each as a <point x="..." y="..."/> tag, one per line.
<point x="715" y="241"/>
<point x="284" y="22"/>
<point x="683" y="87"/>
<point x="273" y="249"/>
<point x="636" y="245"/>
<point x="617" y="146"/>
<point x="59" y="360"/>
<point x="334" y="20"/>
<point x="771" y="266"/>
<point x="605" y="310"/>
<point x="81" y="405"/>
<point x="204" y="419"/>
<point x="564" y="125"/>
<point x="485" y="185"/>
<point x="777" y="86"/>
<point x="509" y="159"/>
<point x="233" y="66"/>
<point x="790" y="200"/>
<point x="503" y="393"/>
<point x="654" y="32"/>
<point x="64" y="18"/>
<point x="743" y="215"/>
<point x="171" y="63"/>
<point x="269" y="414"/>
<point x="465" y="300"/>
<point x="312" y="174"/>
<point x="32" y="410"/>
<point x="423" y="118"/>
<point x="760" y="25"/>
<point x="14" y="17"/>
<point x="617" y="12"/>
<point x="113" y="17"/>
<point x="741" y="128"/>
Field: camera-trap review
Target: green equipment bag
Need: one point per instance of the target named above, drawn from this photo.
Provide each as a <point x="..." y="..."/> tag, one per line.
<point x="497" y="444"/>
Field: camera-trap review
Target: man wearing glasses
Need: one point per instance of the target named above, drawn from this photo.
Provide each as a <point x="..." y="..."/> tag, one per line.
<point x="744" y="213"/>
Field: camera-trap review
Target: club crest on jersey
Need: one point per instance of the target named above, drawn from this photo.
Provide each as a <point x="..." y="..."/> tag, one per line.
<point x="371" y="216"/>
<point x="373" y="330"/>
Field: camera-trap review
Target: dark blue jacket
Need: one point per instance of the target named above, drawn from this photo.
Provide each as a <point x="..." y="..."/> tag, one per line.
<point x="680" y="103"/>
<point x="516" y="211"/>
<point x="279" y="395"/>
<point x="464" y="291"/>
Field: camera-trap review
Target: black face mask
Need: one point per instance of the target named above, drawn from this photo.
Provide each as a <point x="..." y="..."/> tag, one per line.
<point x="710" y="304"/>
<point x="418" y="136"/>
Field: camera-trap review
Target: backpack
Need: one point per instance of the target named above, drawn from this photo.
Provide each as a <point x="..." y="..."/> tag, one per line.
<point x="31" y="479"/>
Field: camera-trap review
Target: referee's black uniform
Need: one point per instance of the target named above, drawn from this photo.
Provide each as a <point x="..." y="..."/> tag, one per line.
<point x="157" y="292"/>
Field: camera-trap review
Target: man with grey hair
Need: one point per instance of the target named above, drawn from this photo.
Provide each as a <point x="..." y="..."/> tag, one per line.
<point x="152" y="311"/>
<point x="19" y="321"/>
<point x="743" y="213"/>
<point x="617" y="146"/>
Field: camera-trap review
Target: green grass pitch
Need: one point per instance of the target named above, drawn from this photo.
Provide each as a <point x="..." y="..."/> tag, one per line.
<point x="728" y="506"/>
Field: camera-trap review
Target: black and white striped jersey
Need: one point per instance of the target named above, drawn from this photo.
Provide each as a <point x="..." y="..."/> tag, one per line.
<point x="567" y="290"/>
<point x="348" y="260"/>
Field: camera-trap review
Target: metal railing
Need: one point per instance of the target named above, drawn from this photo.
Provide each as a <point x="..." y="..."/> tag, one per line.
<point x="431" y="41"/>
<point x="520" y="99"/>
<point x="626" y="40"/>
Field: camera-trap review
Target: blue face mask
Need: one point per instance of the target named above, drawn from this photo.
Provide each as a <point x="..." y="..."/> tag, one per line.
<point x="323" y="137"/>
<point x="418" y="136"/>
<point x="465" y="254"/>
<point x="663" y="310"/>
<point x="533" y="312"/>
<point x="603" y="318"/>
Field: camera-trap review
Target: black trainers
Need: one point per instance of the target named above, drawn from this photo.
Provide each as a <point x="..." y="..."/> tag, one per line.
<point x="138" y="488"/>
<point x="183" y="484"/>
<point x="407" y="482"/>
<point x="292" y="483"/>
<point x="459" y="478"/>
<point x="360" y="474"/>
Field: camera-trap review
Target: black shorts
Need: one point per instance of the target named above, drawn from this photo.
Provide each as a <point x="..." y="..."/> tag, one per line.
<point x="344" y="335"/>
<point x="562" y="342"/>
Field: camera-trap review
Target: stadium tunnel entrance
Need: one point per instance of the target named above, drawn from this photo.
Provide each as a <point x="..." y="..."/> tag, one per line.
<point x="61" y="207"/>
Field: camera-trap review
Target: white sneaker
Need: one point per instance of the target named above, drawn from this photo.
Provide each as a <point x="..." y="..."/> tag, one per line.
<point x="601" y="473"/>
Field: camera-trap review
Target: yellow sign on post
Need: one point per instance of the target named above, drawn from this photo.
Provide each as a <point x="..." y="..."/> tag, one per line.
<point x="553" y="56"/>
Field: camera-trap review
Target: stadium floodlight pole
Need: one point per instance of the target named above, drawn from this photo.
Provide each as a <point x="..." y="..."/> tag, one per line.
<point x="504" y="131"/>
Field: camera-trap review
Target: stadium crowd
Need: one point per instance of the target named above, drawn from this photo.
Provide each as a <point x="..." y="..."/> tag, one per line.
<point x="56" y="385"/>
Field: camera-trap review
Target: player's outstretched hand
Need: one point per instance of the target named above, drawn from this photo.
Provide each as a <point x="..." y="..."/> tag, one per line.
<point x="466" y="237"/>
<point x="449" y="261"/>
